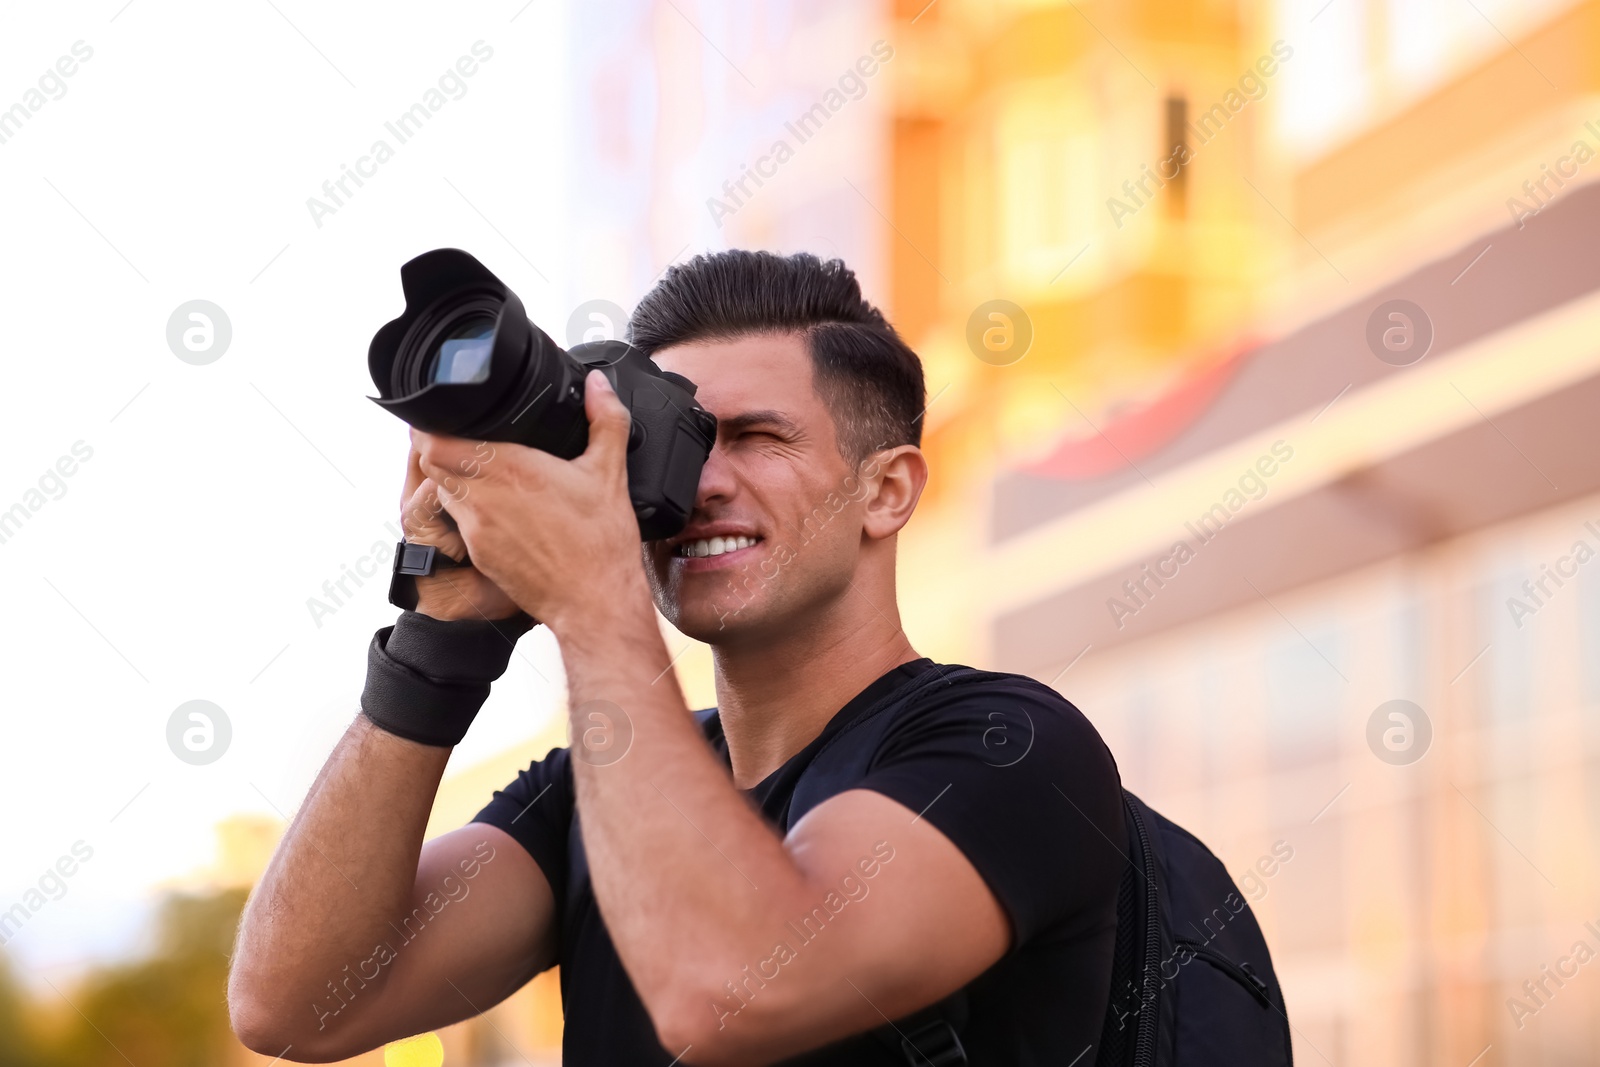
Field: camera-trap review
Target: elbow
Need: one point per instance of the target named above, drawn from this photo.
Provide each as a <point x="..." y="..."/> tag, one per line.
<point x="263" y="1024"/>
<point x="676" y="1031"/>
<point x="265" y="1034"/>
<point x="708" y="1027"/>
<point x="249" y="1017"/>
<point x="256" y="1018"/>
<point x="257" y="1027"/>
<point x="686" y="1028"/>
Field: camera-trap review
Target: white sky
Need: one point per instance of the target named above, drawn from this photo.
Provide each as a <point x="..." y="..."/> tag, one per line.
<point x="177" y="564"/>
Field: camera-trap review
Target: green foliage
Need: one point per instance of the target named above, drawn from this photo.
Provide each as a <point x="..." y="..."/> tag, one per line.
<point x="169" y="1008"/>
<point x="20" y="1047"/>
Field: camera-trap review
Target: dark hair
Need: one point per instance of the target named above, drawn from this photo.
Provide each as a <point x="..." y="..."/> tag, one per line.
<point x="870" y="379"/>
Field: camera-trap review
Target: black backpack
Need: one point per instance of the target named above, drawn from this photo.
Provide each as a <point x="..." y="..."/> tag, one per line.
<point x="1192" y="982"/>
<point x="1191" y="979"/>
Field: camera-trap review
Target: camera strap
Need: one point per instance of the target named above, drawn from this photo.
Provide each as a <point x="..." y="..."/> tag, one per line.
<point x="413" y="561"/>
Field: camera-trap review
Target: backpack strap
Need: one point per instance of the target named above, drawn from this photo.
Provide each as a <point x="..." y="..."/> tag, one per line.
<point x="929" y="1037"/>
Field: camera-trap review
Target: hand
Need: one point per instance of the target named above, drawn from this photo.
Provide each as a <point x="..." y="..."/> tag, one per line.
<point x="453" y="593"/>
<point x="558" y="536"/>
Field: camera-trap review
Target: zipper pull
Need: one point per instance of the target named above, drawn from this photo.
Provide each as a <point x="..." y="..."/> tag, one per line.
<point x="1255" y="980"/>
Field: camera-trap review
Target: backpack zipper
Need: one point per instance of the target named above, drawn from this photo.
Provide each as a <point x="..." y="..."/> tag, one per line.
<point x="1241" y="973"/>
<point x="1144" y="1044"/>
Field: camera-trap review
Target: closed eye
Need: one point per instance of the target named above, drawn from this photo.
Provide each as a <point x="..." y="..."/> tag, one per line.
<point x="772" y="424"/>
<point x="768" y="433"/>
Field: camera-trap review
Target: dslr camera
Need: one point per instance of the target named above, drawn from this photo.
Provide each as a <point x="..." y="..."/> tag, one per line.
<point x="463" y="359"/>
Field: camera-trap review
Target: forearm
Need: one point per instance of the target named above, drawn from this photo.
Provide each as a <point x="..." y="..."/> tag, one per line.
<point x="691" y="880"/>
<point x="347" y="869"/>
<point x="344" y="871"/>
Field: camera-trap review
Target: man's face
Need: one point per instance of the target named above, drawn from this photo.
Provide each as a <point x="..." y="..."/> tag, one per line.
<point x="775" y="483"/>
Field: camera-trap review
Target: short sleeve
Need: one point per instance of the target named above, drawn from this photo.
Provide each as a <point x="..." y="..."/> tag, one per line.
<point x="536" y="810"/>
<point x="1021" y="782"/>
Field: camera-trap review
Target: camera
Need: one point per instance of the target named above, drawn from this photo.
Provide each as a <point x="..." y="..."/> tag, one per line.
<point x="463" y="359"/>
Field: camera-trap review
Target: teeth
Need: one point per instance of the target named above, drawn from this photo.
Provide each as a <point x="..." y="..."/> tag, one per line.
<point x="715" y="546"/>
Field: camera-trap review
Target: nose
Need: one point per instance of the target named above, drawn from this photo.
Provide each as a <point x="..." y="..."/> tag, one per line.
<point x="718" y="480"/>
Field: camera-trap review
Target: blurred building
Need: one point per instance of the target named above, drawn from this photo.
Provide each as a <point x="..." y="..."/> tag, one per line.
<point x="1236" y="500"/>
<point x="699" y="125"/>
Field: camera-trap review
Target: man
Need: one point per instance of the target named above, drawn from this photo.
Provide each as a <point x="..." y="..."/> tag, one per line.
<point x="649" y="860"/>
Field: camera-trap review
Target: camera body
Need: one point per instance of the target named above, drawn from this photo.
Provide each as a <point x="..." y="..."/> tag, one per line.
<point x="464" y="359"/>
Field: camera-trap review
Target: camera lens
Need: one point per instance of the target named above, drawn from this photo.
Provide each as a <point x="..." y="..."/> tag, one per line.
<point x="463" y="354"/>
<point x="464" y="359"/>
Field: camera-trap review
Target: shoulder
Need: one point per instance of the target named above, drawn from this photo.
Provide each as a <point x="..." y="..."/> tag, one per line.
<point x="1016" y="743"/>
<point x="954" y="684"/>
<point x="1020" y="781"/>
<point x="1004" y="716"/>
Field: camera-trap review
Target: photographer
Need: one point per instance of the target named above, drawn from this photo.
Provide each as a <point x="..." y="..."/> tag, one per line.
<point x="695" y="916"/>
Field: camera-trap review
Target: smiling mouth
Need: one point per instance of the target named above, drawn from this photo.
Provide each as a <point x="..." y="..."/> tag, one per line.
<point x="713" y="546"/>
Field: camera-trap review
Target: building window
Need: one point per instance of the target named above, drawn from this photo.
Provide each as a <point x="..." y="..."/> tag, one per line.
<point x="1506" y="670"/>
<point x="1589" y="637"/>
<point x="1049" y="178"/>
<point x="1407" y="646"/>
<point x="1305" y="692"/>
<point x="1173" y="148"/>
<point x="1326" y="84"/>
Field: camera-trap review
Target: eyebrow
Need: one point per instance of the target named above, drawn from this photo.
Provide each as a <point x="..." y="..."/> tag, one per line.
<point x="775" y="419"/>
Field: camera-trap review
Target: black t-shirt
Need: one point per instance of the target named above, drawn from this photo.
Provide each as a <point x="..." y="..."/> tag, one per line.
<point x="1003" y="766"/>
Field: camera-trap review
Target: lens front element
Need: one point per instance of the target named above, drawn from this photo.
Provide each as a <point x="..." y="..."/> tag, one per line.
<point x="463" y="356"/>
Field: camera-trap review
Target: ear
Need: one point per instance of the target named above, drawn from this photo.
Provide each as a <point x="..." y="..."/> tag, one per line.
<point x="894" y="479"/>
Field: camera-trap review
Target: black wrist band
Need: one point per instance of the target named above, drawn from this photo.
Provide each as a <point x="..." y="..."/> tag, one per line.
<point x="412" y="562"/>
<point x="427" y="678"/>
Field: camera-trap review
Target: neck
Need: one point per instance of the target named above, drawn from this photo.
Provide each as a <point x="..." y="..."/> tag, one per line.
<point x="774" y="695"/>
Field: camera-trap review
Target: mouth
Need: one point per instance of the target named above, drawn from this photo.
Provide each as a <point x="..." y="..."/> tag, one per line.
<point x="715" y="547"/>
